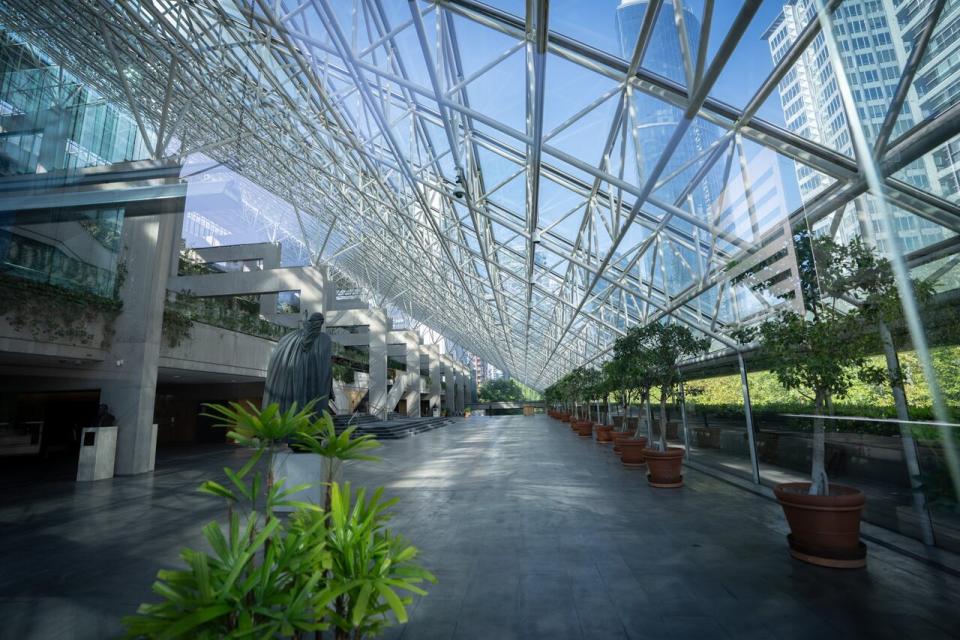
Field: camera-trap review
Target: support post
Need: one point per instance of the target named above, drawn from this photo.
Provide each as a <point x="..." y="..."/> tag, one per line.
<point x="682" y="396"/>
<point x="434" y="352"/>
<point x="130" y="373"/>
<point x="748" y="414"/>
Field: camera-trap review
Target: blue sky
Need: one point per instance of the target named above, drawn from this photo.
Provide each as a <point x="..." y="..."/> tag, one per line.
<point x="594" y="22"/>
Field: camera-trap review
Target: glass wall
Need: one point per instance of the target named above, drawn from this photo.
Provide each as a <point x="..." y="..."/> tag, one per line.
<point x="54" y="122"/>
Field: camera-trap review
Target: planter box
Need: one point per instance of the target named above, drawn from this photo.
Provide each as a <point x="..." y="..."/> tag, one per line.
<point x="707" y="437"/>
<point x="672" y="428"/>
<point x="98" y="453"/>
<point x="735" y="442"/>
<point x="302" y="468"/>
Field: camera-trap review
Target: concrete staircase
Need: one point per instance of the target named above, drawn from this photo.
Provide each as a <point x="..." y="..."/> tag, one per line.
<point x="392" y="429"/>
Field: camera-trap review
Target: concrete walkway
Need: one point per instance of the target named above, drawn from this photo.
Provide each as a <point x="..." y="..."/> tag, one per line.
<point x="533" y="532"/>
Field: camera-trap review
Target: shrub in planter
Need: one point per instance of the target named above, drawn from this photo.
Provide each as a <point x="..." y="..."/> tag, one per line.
<point x="821" y="354"/>
<point x="707" y="437"/>
<point x="632" y="451"/>
<point x="662" y="346"/>
<point x="604" y="433"/>
<point x="266" y="577"/>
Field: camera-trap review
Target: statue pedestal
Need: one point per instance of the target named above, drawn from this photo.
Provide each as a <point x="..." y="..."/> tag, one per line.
<point x="302" y="468"/>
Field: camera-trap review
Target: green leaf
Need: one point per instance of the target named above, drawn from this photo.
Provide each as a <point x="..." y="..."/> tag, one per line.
<point x="194" y="620"/>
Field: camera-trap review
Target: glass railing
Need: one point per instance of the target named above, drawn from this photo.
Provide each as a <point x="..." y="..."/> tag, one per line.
<point x="873" y="455"/>
<point x="79" y="255"/>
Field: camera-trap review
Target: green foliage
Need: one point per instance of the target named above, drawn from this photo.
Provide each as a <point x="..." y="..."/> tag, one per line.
<point x="322" y="439"/>
<point x="251" y="427"/>
<point x="338" y="566"/>
<point x="666" y="345"/>
<point x="27" y="304"/>
<point x="723" y="394"/>
<point x="500" y="390"/>
<point x="234" y="313"/>
<point x="848" y="292"/>
<point x="229" y="594"/>
<point x="343" y="373"/>
<point x="819" y="357"/>
<point x="371" y="567"/>
<point x="631" y="355"/>
<point x="347" y="361"/>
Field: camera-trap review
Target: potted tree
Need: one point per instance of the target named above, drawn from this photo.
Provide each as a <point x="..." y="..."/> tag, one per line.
<point x="666" y="345"/>
<point x="602" y="388"/>
<point x="579" y="386"/>
<point x="861" y="277"/>
<point x="821" y="354"/>
<point x="615" y="374"/>
<point x="632" y="352"/>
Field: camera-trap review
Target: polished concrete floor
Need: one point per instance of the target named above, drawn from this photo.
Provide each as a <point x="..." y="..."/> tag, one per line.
<point x="533" y="532"/>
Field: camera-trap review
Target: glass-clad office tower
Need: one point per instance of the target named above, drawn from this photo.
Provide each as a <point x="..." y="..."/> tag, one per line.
<point x="654" y="120"/>
<point x="875" y="40"/>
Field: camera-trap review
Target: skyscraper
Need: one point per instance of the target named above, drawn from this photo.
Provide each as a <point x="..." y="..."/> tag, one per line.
<point x="653" y="122"/>
<point x="874" y="37"/>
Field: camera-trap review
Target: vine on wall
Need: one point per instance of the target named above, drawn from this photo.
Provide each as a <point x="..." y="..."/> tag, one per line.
<point x="55" y="313"/>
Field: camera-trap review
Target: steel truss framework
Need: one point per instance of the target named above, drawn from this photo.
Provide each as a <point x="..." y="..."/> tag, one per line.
<point x="359" y="114"/>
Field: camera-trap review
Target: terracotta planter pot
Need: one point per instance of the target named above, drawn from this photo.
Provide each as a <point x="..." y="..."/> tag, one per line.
<point x="825" y="530"/>
<point x="617" y="437"/>
<point x="584" y="428"/>
<point x="632" y="452"/>
<point x="604" y="433"/>
<point x="665" y="468"/>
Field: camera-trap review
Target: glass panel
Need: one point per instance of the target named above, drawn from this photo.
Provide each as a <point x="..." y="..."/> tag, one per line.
<point x="717" y="426"/>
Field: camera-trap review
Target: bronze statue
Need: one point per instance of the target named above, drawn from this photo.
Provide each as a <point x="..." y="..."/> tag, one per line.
<point x="301" y="369"/>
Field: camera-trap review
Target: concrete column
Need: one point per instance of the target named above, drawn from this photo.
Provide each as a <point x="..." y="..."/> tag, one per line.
<point x="412" y="394"/>
<point x="377" y="398"/>
<point x="130" y="372"/>
<point x="461" y="380"/>
<point x="448" y="367"/>
<point x="473" y="386"/>
<point x="435" y="376"/>
<point x="271" y="260"/>
<point x="376" y="340"/>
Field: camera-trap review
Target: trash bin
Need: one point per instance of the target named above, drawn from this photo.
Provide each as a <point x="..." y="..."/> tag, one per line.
<point x="98" y="451"/>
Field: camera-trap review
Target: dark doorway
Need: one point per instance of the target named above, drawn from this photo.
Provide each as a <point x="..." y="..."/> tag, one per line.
<point x="40" y="434"/>
<point x="206" y="432"/>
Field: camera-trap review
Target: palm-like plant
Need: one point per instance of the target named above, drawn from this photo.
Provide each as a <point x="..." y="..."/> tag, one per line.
<point x="270" y="578"/>
<point x="372" y="570"/>
<point x="323" y="440"/>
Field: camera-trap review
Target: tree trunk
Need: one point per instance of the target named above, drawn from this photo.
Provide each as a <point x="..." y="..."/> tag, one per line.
<point x="648" y="416"/>
<point x="624" y="406"/>
<point x="895" y="375"/>
<point x="819" y="483"/>
<point x="663" y="418"/>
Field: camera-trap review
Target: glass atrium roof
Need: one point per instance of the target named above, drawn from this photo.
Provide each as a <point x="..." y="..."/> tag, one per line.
<point x="537" y="177"/>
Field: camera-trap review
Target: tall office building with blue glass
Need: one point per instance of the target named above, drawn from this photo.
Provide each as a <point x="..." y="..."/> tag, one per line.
<point x="653" y="122"/>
